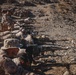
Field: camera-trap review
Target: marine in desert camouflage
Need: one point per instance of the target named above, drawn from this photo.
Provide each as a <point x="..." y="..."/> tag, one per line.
<point x="7" y="22"/>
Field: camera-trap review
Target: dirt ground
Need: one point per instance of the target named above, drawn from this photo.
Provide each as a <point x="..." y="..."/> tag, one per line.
<point x="58" y="21"/>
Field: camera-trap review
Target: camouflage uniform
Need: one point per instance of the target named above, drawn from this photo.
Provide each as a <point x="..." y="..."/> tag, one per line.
<point x="10" y="68"/>
<point x="7" y="20"/>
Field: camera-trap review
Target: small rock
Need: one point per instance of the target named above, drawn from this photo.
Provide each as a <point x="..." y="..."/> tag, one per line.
<point x="66" y="73"/>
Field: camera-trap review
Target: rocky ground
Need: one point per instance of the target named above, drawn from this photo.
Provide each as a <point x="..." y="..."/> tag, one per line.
<point x="57" y="19"/>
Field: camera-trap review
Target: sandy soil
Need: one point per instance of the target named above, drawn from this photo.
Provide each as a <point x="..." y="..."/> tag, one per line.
<point x="58" y="21"/>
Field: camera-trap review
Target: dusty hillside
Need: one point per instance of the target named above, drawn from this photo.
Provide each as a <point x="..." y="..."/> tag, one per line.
<point x="55" y="18"/>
